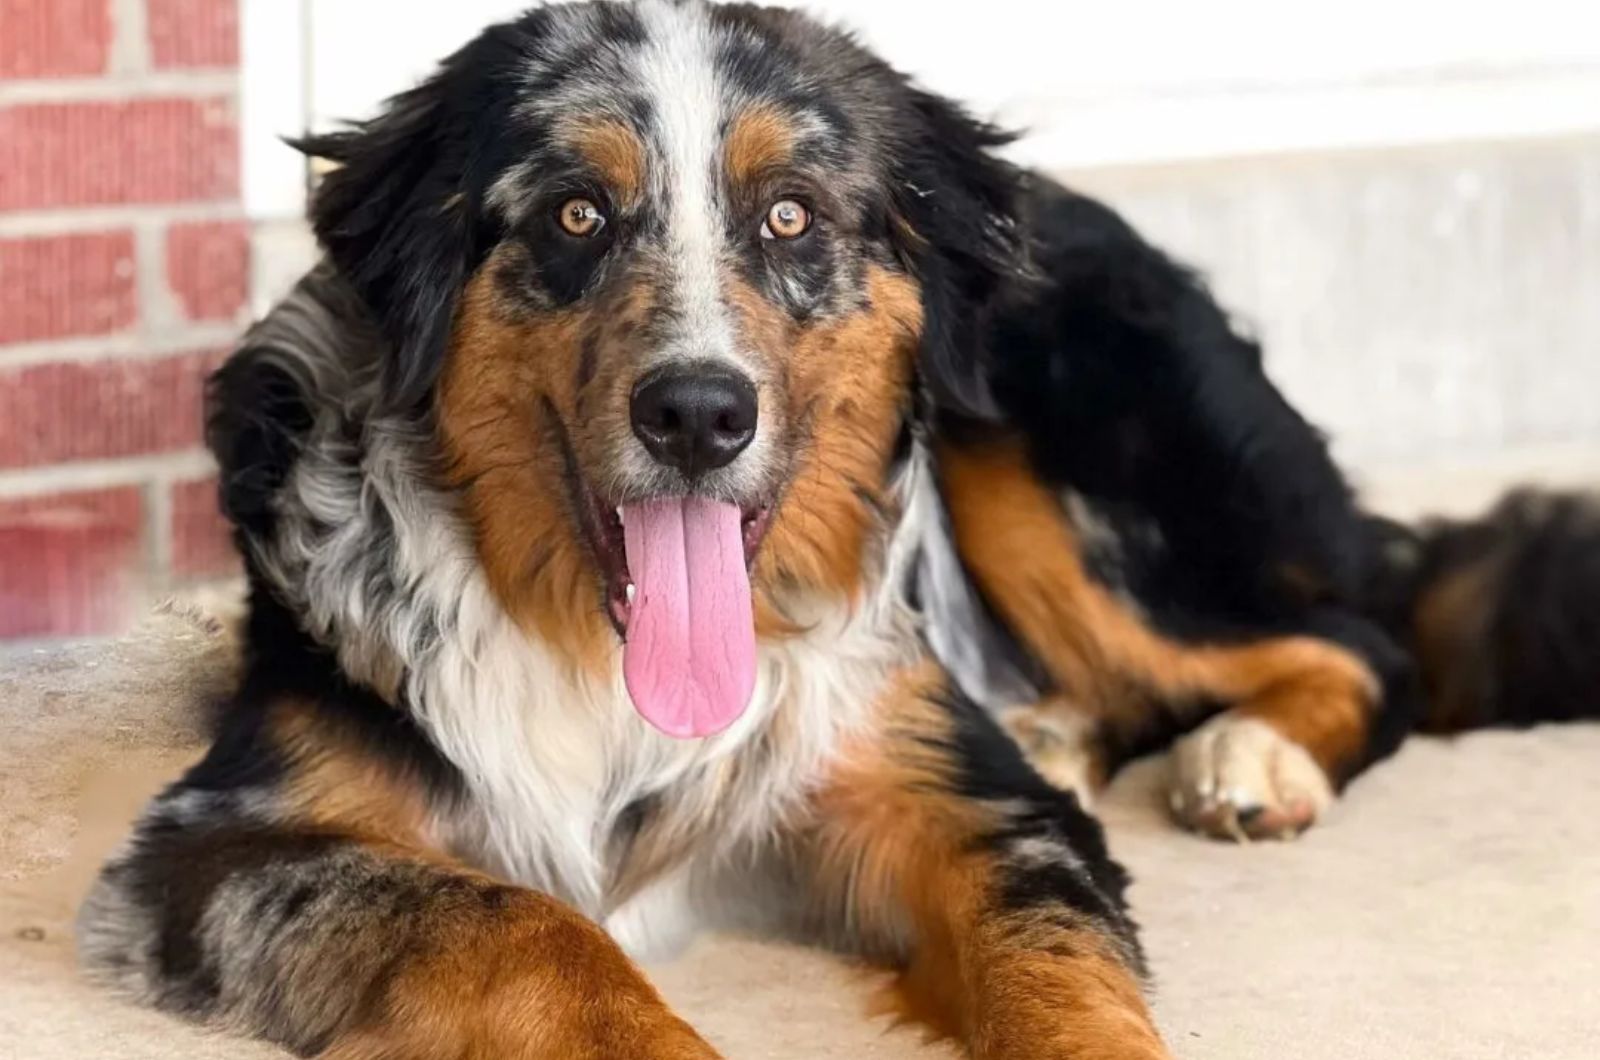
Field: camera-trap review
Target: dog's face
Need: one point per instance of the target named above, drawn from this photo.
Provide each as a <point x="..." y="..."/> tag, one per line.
<point x="666" y="277"/>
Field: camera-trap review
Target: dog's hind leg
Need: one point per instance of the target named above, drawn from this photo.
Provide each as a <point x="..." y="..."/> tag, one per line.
<point x="1297" y="713"/>
<point x="1270" y="765"/>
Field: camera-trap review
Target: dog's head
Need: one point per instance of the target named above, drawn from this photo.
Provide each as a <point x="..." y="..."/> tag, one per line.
<point x="668" y="281"/>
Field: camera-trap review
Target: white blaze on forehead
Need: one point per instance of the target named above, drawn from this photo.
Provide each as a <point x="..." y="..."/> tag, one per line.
<point x="678" y="73"/>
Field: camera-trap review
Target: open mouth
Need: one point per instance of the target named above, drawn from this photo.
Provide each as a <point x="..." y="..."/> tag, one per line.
<point x="605" y="524"/>
<point x="677" y="589"/>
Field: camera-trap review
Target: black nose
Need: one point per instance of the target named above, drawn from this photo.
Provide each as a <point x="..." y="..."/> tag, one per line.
<point x="694" y="418"/>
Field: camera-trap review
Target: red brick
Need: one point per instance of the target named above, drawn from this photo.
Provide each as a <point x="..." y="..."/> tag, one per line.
<point x="50" y="413"/>
<point x="53" y="287"/>
<point x="54" y="38"/>
<point x="194" y="33"/>
<point x="202" y="542"/>
<point x="69" y="562"/>
<point x="208" y="268"/>
<point x="139" y="151"/>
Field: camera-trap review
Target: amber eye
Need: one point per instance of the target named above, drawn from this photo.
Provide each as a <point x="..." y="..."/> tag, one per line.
<point x="581" y="218"/>
<point x="786" y="220"/>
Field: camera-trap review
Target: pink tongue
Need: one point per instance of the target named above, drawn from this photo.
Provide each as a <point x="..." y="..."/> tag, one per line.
<point x="690" y="655"/>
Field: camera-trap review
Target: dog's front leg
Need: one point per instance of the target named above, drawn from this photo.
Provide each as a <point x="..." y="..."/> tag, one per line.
<point x="301" y="899"/>
<point x="934" y="842"/>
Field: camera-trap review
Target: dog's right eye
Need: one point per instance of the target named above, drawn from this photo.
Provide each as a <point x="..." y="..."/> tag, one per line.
<point x="580" y="218"/>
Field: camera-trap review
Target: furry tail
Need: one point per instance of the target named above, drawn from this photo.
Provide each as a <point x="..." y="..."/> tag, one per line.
<point x="1501" y="612"/>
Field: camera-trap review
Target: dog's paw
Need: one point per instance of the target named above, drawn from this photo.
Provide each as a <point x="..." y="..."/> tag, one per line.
<point x="1238" y="778"/>
<point x="1060" y="746"/>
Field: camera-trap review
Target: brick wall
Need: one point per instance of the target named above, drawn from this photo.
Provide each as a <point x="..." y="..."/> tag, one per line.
<point x="124" y="270"/>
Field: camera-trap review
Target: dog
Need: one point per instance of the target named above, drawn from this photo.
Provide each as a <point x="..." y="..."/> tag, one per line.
<point x="704" y="486"/>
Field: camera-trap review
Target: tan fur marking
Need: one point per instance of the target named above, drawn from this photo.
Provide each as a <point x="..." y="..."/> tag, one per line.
<point x="333" y="786"/>
<point x="1082" y="1004"/>
<point x="1105" y="657"/>
<point x="889" y="823"/>
<point x="894" y="841"/>
<point x="847" y="386"/>
<point x="760" y="139"/>
<point x="507" y="974"/>
<point x="1324" y="710"/>
<point x="616" y="154"/>
<point x="501" y="378"/>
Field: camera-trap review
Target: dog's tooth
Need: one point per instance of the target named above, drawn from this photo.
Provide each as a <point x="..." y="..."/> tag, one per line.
<point x="629" y="591"/>
<point x="619" y="514"/>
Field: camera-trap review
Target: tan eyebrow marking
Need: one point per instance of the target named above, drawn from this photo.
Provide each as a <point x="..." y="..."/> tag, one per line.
<point x="759" y="139"/>
<point x="617" y="155"/>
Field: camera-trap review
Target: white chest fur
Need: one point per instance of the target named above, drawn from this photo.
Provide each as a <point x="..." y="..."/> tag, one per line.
<point x="554" y="760"/>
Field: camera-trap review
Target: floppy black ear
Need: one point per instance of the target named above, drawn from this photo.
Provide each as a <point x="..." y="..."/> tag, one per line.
<point x="956" y="206"/>
<point x="400" y="216"/>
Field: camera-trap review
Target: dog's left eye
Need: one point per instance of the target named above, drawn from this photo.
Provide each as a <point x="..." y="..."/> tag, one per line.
<point x="786" y="219"/>
<point x="580" y="218"/>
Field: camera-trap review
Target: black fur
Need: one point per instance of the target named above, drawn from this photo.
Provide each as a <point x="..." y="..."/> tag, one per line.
<point x="1523" y="643"/>
<point x="257" y="418"/>
<point x="992" y="769"/>
<point x="402" y="216"/>
<point x="959" y="204"/>
<point x="1134" y="389"/>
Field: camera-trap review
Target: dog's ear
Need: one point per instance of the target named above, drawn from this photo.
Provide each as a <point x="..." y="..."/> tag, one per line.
<point x="400" y="214"/>
<point x="954" y="220"/>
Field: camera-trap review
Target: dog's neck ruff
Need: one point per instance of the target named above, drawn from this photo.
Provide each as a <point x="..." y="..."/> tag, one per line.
<point x="371" y="554"/>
